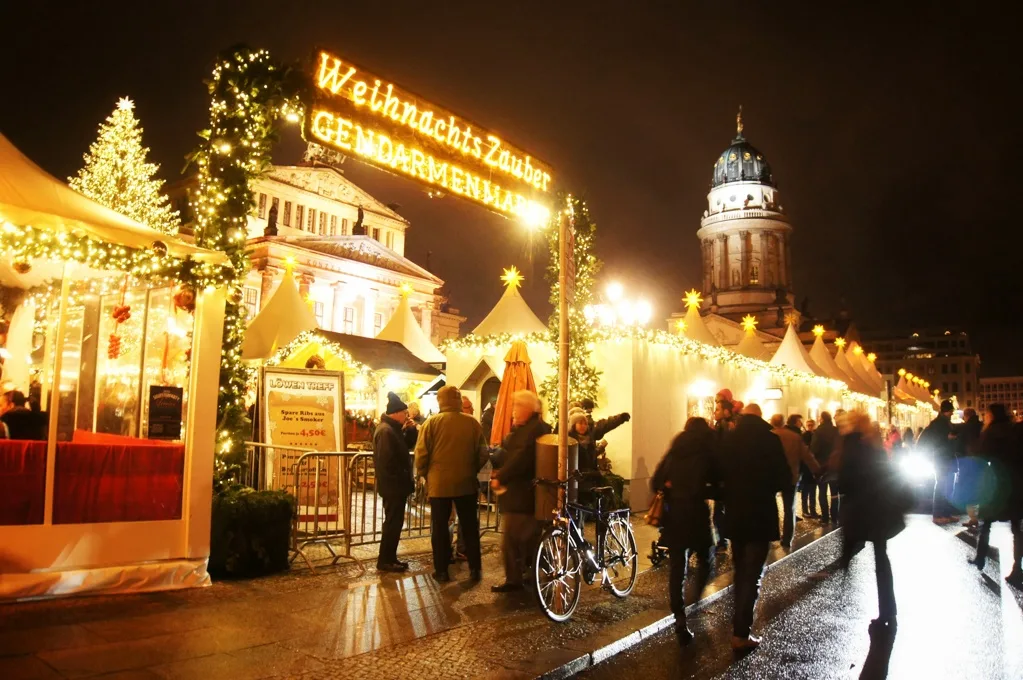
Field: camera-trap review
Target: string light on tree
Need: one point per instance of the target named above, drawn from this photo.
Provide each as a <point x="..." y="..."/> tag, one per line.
<point x="117" y="175"/>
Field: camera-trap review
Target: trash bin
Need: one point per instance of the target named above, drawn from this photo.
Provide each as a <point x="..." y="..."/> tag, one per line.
<point x="547" y="468"/>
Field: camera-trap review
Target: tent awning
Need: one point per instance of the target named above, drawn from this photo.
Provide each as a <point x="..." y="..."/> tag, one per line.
<point x="31" y="197"/>
<point x="280" y="321"/>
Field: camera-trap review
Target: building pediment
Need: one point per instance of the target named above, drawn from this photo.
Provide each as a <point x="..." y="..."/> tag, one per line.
<point x="331" y="183"/>
<point x="365" y="250"/>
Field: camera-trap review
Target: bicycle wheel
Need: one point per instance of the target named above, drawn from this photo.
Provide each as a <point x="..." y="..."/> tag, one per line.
<point x="621" y="559"/>
<point x="558" y="575"/>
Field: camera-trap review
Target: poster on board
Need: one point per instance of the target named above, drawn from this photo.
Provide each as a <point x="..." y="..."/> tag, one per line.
<point x="166" y="408"/>
<point x="304" y="411"/>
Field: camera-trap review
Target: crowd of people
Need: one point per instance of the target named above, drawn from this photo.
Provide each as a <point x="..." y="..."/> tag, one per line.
<point x="742" y="463"/>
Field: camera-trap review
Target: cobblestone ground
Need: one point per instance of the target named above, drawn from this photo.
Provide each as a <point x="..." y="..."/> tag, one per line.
<point x="340" y="621"/>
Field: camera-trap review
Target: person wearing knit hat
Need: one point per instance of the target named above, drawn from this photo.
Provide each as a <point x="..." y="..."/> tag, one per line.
<point x="940" y="440"/>
<point x="394" y="480"/>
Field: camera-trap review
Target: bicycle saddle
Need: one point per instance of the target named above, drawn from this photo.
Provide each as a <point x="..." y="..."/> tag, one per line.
<point x="602" y="489"/>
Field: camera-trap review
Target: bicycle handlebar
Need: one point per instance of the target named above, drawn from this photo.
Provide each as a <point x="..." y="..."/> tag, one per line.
<point x="575" y="474"/>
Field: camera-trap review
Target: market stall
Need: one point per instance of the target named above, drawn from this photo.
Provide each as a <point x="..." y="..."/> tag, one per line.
<point x="109" y="327"/>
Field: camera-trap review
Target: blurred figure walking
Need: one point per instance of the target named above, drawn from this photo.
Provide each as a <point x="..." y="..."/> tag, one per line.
<point x="687" y="475"/>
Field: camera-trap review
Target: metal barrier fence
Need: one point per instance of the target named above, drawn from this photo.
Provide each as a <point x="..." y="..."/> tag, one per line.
<point x="338" y="506"/>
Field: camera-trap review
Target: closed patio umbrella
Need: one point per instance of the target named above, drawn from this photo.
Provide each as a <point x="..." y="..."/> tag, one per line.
<point x="517" y="377"/>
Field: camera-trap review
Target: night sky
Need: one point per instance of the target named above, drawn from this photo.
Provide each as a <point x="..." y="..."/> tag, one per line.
<point x="893" y="133"/>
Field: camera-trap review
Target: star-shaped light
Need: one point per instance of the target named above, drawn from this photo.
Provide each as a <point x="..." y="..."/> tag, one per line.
<point x="792" y="318"/>
<point x="857" y="350"/>
<point x="871" y="357"/>
<point x="692" y="299"/>
<point x="680" y="326"/>
<point x="840" y="343"/>
<point x="818" y="330"/>
<point x="125" y="104"/>
<point x="405" y="289"/>
<point x="902" y="372"/>
<point x="289" y="262"/>
<point x="749" y="323"/>
<point x="909" y="376"/>
<point x="512" y="277"/>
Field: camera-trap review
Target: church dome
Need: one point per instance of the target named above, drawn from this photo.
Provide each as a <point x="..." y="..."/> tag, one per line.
<point x="741" y="162"/>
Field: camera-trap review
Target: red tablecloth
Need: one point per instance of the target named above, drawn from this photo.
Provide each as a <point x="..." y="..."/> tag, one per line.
<point x="117" y="482"/>
<point x="22" y="482"/>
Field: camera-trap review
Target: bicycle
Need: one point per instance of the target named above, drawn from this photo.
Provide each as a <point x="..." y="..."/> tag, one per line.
<point x="564" y="558"/>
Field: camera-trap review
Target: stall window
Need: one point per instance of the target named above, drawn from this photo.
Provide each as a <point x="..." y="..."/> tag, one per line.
<point x="333" y="225"/>
<point x="287" y="213"/>
<point x="299" y="215"/>
<point x="349" y="326"/>
<point x="262" y="206"/>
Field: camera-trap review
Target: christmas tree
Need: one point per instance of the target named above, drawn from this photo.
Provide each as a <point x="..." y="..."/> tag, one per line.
<point x="117" y="175"/>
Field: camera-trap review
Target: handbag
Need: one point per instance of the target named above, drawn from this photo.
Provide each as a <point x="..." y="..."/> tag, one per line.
<point x="656" y="511"/>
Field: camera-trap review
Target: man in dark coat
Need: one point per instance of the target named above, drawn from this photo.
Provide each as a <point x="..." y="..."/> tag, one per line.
<point x="394" y="480"/>
<point x="686" y="476"/>
<point x="823" y="446"/>
<point x="725" y="418"/>
<point x="513" y="482"/>
<point x="967" y="443"/>
<point x="753" y="470"/>
<point x="938" y="440"/>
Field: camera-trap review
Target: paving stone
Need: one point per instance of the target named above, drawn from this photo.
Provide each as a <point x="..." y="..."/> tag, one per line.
<point x="46" y="638"/>
<point x="26" y="668"/>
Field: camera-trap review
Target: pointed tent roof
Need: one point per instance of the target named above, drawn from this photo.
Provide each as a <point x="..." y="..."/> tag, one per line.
<point x="511" y="315"/>
<point x="282" y="318"/>
<point x="866" y="369"/>
<point x="857" y="384"/>
<point x="695" y="328"/>
<point x="751" y="346"/>
<point x="822" y="357"/>
<point x="791" y="353"/>
<point x="403" y="328"/>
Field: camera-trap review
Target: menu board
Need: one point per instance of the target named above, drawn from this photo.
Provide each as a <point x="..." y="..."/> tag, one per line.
<point x="304" y="411"/>
<point x="165" y="411"/>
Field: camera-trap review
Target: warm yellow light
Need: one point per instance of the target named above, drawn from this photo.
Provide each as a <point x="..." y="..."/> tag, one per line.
<point x="749" y="324"/>
<point x="692" y="299"/>
<point x="857" y="350"/>
<point x="818" y="330"/>
<point x="512" y="278"/>
<point x="871" y="357"/>
<point x="902" y="371"/>
<point x="680" y="326"/>
<point x="792" y="319"/>
<point x="405" y="289"/>
<point x="125" y="104"/>
<point x="840" y="343"/>
<point x="289" y="261"/>
<point x="615" y="291"/>
<point x="927" y="384"/>
<point x="535" y="216"/>
<point x="909" y="376"/>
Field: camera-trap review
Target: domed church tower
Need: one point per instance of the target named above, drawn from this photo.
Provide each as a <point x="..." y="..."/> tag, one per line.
<point x="744" y="235"/>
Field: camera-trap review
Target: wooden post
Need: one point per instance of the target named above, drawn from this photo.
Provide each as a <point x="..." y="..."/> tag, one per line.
<point x="563" y="344"/>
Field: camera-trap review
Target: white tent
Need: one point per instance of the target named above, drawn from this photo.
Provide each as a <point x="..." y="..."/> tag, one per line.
<point x="696" y="329"/>
<point x="822" y="357"/>
<point x="404" y="329"/>
<point x="282" y="318"/>
<point x="510" y="315"/>
<point x="791" y="353"/>
<point x="751" y="346"/>
<point x="858" y="383"/>
<point x="858" y="358"/>
<point x="31" y="196"/>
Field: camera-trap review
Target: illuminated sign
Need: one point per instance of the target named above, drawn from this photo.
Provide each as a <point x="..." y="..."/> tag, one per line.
<point x="358" y="113"/>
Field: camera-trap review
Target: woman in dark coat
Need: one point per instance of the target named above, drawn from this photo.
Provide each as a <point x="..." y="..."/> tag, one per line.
<point x="687" y="476"/>
<point x="1001" y="494"/>
<point x="873" y="507"/>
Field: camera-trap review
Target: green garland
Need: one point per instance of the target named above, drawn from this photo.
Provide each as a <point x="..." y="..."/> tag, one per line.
<point x="584" y="379"/>
<point x="249" y="93"/>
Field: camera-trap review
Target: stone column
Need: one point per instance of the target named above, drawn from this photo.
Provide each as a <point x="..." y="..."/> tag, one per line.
<point x="723" y="273"/>
<point x="745" y="255"/>
<point x="337" y="310"/>
<point x="766" y="265"/>
<point x="369" y="309"/>
<point x="708" y="264"/>
<point x="266" y="285"/>
<point x="788" y="262"/>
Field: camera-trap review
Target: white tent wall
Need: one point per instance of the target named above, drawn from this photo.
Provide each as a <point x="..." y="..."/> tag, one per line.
<point x="119" y="557"/>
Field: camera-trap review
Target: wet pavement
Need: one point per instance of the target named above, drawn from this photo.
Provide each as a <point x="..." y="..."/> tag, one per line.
<point x="954" y="622"/>
<point x="338" y="622"/>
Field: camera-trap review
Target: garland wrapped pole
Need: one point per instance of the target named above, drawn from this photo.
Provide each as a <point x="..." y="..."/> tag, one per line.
<point x="249" y="94"/>
<point x="584" y="379"/>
